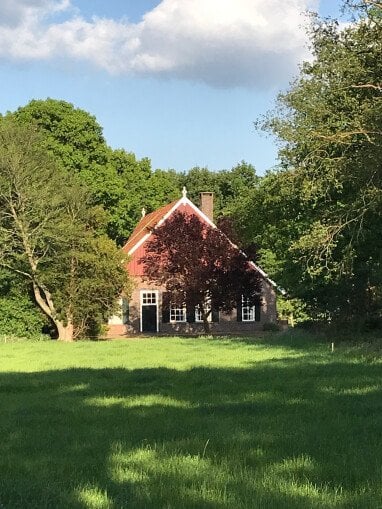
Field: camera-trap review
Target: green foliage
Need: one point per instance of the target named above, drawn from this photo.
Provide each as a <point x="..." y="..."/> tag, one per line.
<point x="323" y="207"/>
<point x="117" y="180"/>
<point x="99" y="279"/>
<point x="271" y="327"/>
<point x="19" y="316"/>
<point x="71" y="134"/>
<point x="293" y="310"/>
<point x="163" y="187"/>
<point x="271" y="216"/>
<point x="229" y="186"/>
<point x="51" y="235"/>
<point x="134" y="186"/>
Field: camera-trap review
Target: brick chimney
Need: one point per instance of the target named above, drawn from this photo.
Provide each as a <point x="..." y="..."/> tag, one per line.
<point x="207" y="204"/>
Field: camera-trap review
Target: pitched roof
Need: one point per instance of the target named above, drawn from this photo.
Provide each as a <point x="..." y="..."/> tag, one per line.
<point x="149" y="221"/>
<point x="146" y="224"/>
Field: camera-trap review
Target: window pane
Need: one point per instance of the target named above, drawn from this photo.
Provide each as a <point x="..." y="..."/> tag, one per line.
<point x="149" y="298"/>
<point x="177" y="314"/>
<point x="198" y="312"/>
<point x="248" y="312"/>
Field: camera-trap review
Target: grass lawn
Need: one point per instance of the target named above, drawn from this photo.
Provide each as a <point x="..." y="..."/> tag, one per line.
<point x="189" y="423"/>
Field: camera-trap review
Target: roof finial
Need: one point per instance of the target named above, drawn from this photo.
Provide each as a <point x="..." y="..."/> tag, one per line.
<point x="184" y="192"/>
<point x="143" y="211"/>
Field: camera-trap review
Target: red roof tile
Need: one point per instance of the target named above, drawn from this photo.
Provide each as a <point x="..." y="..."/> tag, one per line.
<point x="145" y="224"/>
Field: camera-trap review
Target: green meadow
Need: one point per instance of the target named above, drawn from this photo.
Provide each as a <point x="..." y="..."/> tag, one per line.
<point x="170" y="423"/>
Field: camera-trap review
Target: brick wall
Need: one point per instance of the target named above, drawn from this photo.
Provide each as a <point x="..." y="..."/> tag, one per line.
<point x="227" y="324"/>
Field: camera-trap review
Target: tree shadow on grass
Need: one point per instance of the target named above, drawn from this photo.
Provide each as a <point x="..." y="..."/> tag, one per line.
<point x="279" y="434"/>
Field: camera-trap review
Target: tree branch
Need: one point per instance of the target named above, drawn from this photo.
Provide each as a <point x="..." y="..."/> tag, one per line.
<point x="17" y="271"/>
<point x="342" y="137"/>
<point x="369" y="85"/>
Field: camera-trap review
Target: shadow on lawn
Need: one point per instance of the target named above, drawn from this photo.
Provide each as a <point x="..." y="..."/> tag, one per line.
<point x="294" y="435"/>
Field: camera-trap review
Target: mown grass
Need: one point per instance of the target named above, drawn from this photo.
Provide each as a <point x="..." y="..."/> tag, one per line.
<point x="190" y="423"/>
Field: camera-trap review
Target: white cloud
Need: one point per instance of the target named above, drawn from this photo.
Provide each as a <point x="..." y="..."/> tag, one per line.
<point x="255" y="43"/>
<point x="16" y="12"/>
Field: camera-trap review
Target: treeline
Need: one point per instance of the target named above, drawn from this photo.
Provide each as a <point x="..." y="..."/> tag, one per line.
<point x="117" y="180"/>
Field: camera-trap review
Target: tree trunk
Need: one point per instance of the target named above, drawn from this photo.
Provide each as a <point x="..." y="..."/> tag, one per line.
<point x="44" y="300"/>
<point x="65" y="332"/>
<point x="206" y="323"/>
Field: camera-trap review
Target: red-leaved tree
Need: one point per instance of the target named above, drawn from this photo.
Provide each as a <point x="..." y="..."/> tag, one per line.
<point x="199" y="266"/>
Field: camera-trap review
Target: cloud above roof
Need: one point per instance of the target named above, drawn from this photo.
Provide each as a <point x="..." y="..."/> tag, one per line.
<point x="224" y="43"/>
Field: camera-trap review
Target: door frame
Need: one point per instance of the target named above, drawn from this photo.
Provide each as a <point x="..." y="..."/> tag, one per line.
<point x="141" y="305"/>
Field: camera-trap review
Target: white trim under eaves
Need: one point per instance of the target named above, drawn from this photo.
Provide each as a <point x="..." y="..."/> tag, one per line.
<point x="208" y="220"/>
<point x="143" y="239"/>
<point x="198" y="211"/>
<point x="265" y="275"/>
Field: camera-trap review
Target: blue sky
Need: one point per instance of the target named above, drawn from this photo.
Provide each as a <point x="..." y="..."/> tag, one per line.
<point x="178" y="81"/>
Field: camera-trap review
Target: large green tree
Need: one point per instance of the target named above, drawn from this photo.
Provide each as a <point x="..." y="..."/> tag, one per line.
<point x="326" y="222"/>
<point x="118" y="181"/>
<point x="71" y="134"/>
<point x="51" y="235"/>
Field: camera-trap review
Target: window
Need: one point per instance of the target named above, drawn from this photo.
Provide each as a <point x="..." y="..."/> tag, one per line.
<point x="249" y="313"/>
<point x="198" y="312"/>
<point x="149" y="298"/>
<point x="177" y="313"/>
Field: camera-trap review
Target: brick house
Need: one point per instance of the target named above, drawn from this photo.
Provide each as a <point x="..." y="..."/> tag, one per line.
<point x="146" y="312"/>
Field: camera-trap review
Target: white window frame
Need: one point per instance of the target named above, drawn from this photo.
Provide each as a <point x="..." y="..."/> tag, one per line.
<point x="178" y="314"/>
<point x="246" y="309"/>
<point x="149" y="297"/>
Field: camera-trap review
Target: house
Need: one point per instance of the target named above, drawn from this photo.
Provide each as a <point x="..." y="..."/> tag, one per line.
<point x="146" y="312"/>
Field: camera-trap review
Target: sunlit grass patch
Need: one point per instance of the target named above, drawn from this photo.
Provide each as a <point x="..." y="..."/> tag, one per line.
<point x="354" y="391"/>
<point x="94" y="498"/>
<point x="142" y="401"/>
<point x="194" y="478"/>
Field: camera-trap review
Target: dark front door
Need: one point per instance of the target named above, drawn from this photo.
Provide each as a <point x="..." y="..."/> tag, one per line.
<point x="149" y="318"/>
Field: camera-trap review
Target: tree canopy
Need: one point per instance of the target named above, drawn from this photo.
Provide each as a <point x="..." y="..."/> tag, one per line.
<point x="323" y="207"/>
<point x="117" y="180"/>
<point x="51" y="235"/>
<point x="228" y="186"/>
<point x="197" y="265"/>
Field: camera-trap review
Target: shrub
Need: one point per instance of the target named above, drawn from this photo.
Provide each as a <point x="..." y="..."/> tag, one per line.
<point x="271" y="327"/>
<point x="19" y="317"/>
